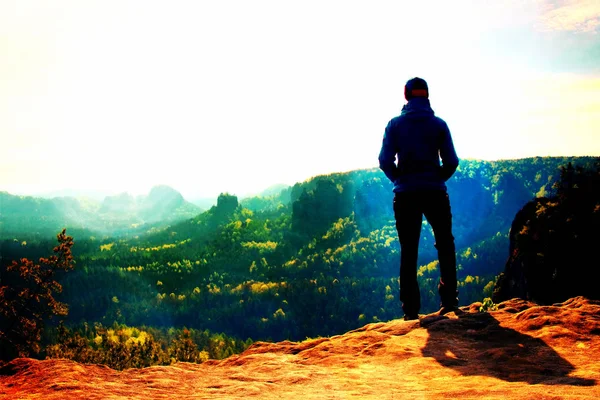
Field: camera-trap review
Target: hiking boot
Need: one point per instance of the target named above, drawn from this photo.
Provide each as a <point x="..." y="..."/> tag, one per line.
<point x="446" y="310"/>
<point x="411" y="317"/>
<point x="449" y="309"/>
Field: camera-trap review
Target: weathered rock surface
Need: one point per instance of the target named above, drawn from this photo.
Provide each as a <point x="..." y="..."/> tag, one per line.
<point x="521" y="351"/>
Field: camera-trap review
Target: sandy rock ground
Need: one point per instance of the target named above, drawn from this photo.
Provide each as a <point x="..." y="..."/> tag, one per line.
<point x="521" y="351"/>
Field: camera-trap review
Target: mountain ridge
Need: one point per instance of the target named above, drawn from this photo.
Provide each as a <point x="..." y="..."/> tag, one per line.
<point x="115" y="215"/>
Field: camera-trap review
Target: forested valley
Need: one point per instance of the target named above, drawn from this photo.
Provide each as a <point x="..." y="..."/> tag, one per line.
<point x="317" y="259"/>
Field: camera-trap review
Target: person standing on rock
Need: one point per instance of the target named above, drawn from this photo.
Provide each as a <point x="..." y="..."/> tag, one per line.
<point x="418" y="139"/>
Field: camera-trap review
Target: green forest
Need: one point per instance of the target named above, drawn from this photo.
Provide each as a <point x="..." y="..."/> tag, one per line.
<point x="318" y="258"/>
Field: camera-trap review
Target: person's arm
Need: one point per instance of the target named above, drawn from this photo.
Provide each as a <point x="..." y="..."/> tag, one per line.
<point x="447" y="154"/>
<point x="387" y="156"/>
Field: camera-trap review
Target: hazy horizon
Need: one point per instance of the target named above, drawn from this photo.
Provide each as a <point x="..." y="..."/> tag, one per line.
<point x="100" y="194"/>
<point x="237" y="96"/>
<point x="191" y="197"/>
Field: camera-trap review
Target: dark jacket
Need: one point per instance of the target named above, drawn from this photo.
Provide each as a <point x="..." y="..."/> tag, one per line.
<point x="419" y="139"/>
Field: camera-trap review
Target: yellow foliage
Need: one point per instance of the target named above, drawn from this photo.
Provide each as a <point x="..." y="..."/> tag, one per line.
<point x="112" y="336"/>
<point x="262" y="246"/>
<point x="203" y="356"/>
<point x="158" y="248"/>
<point x="541" y="192"/>
<point x="252" y="266"/>
<point x="139" y="339"/>
<point x="107" y="247"/>
<point x="213" y="289"/>
<point x="432" y="266"/>
<point x="259" y="287"/>
<point x="335" y="229"/>
<point x="489" y="288"/>
<point x="340" y="250"/>
<point x="540" y="210"/>
<point x="363" y="240"/>
<point x="131" y="336"/>
<point x="238" y="288"/>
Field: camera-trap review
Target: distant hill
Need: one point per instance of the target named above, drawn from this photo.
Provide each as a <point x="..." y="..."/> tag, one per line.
<point x="97" y="195"/>
<point x="114" y="216"/>
<point x="274" y="190"/>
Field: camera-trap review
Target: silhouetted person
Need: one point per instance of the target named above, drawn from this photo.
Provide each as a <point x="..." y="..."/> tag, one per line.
<point x="418" y="139"/>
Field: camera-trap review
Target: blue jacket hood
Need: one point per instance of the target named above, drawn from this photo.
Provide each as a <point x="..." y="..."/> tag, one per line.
<point x="417" y="107"/>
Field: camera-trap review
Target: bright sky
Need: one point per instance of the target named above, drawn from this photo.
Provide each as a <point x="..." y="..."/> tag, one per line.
<point x="215" y="96"/>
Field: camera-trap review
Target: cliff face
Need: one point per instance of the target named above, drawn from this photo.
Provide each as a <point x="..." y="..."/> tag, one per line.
<point x="521" y="351"/>
<point x="554" y="244"/>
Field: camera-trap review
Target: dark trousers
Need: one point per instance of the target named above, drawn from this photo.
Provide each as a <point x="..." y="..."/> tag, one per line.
<point x="409" y="208"/>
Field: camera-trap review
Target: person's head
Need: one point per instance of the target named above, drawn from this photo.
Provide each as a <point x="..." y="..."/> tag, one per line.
<point x="416" y="87"/>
